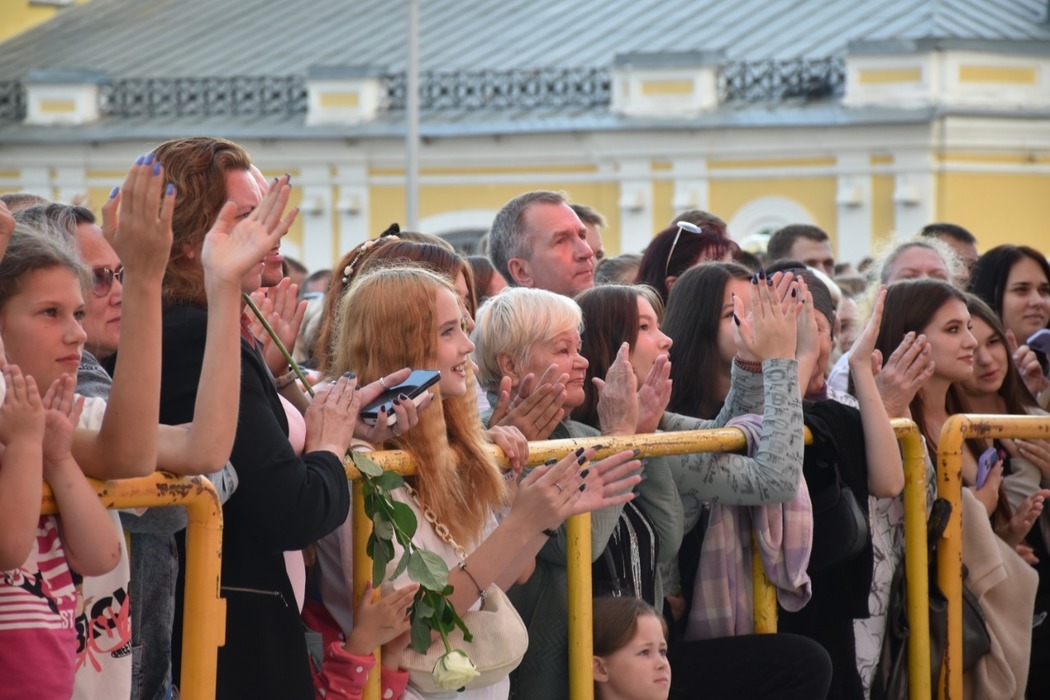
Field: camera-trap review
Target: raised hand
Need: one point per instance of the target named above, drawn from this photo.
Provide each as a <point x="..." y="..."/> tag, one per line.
<point x="552" y="493"/>
<point x="62" y="409"/>
<point x="903" y="374"/>
<point x="533" y="411"/>
<point x="232" y="248"/>
<point x="863" y="357"/>
<point x="1027" y="365"/>
<point x="618" y="396"/>
<point x="769" y="329"/>
<point x="284" y="312"/>
<point x="653" y="395"/>
<point x="21" y="413"/>
<point x="137" y="220"/>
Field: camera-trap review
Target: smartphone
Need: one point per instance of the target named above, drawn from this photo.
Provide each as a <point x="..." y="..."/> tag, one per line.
<point x="1040" y="341"/>
<point x="985" y="463"/>
<point x="414" y="387"/>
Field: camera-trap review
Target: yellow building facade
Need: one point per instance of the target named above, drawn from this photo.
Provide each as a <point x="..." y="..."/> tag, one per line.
<point x="877" y="143"/>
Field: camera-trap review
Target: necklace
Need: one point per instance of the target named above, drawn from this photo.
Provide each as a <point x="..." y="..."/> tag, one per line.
<point x="440" y="528"/>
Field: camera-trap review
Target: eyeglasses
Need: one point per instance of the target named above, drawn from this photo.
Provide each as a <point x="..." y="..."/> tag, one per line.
<point x="102" y="279"/>
<point x="682" y="226"/>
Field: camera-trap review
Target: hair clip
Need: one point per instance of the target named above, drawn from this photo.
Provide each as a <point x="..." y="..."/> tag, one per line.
<point x="391" y="230"/>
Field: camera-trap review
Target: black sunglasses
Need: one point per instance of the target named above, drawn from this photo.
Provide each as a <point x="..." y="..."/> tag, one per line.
<point x="102" y="279"/>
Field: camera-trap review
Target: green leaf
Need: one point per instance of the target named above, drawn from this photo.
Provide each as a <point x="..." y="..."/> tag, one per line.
<point x="428" y="570"/>
<point x="404" y="518"/>
<point x="384" y="552"/>
<point x="382" y="527"/>
<point x="389" y="481"/>
<point x="420" y="635"/>
<point x="366" y="465"/>
<point x="424" y="608"/>
<point x="402" y="564"/>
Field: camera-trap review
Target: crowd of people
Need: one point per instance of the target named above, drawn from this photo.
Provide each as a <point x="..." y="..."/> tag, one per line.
<point x="129" y="348"/>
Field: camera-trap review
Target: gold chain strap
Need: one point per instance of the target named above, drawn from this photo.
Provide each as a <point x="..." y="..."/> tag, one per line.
<point x="440" y="528"/>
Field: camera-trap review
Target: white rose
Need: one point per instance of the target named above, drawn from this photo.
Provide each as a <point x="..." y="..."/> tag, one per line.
<point x="454" y="670"/>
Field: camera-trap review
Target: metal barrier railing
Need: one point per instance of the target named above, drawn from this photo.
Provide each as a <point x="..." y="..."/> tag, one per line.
<point x="949" y="549"/>
<point x="658" y="445"/>
<point x="204" y="617"/>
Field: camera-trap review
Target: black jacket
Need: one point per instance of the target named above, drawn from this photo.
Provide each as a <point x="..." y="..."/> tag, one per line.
<point x="282" y="502"/>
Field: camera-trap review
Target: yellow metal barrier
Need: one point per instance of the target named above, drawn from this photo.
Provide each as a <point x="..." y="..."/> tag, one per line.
<point x="579" y="545"/>
<point x="949" y="549"/>
<point x="204" y="617"/>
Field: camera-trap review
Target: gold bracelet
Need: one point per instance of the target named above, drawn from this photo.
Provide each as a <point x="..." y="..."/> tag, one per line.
<point x="463" y="568"/>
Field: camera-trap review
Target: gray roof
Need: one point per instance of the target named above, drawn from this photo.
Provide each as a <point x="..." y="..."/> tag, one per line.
<point x="166" y="38"/>
<point x="286" y="40"/>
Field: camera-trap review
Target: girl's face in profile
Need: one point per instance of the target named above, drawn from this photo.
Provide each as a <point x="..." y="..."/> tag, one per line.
<point x="639" y="670"/>
<point x="42" y="325"/>
<point x="952" y="343"/>
<point x="453" y="345"/>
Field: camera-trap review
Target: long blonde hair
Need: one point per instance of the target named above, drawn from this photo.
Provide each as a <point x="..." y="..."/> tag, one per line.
<point x="388" y="320"/>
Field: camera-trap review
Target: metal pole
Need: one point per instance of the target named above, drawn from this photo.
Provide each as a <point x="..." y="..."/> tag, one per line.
<point x="412" y="121"/>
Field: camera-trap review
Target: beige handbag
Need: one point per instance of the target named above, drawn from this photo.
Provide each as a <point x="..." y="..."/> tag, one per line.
<point x="499" y="637"/>
<point x="499" y="643"/>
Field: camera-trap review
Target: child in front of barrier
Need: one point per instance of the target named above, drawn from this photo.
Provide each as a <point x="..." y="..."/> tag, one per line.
<point x="630" y="651"/>
<point x="37" y="598"/>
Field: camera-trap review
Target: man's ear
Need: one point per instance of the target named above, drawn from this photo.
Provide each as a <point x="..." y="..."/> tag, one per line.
<point x="509" y="367"/>
<point x="521" y="272"/>
<point x="601" y="674"/>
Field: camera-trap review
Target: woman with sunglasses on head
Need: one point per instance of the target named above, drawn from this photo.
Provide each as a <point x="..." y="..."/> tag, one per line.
<point x="678" y="248"/>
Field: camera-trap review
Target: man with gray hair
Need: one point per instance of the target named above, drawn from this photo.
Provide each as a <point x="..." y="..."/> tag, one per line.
<point x="537" y="240"/>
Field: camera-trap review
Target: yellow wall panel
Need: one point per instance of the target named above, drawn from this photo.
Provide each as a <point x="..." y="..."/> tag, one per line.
<point x="882" y="214"/>
<point x="884" y="76"/>
<point x="663" y="205"/>
<point x="998" y="209"/>
<point x="1015" y="75"/>
<point x="667" y="87"/>
<point x="816" y="194"/>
